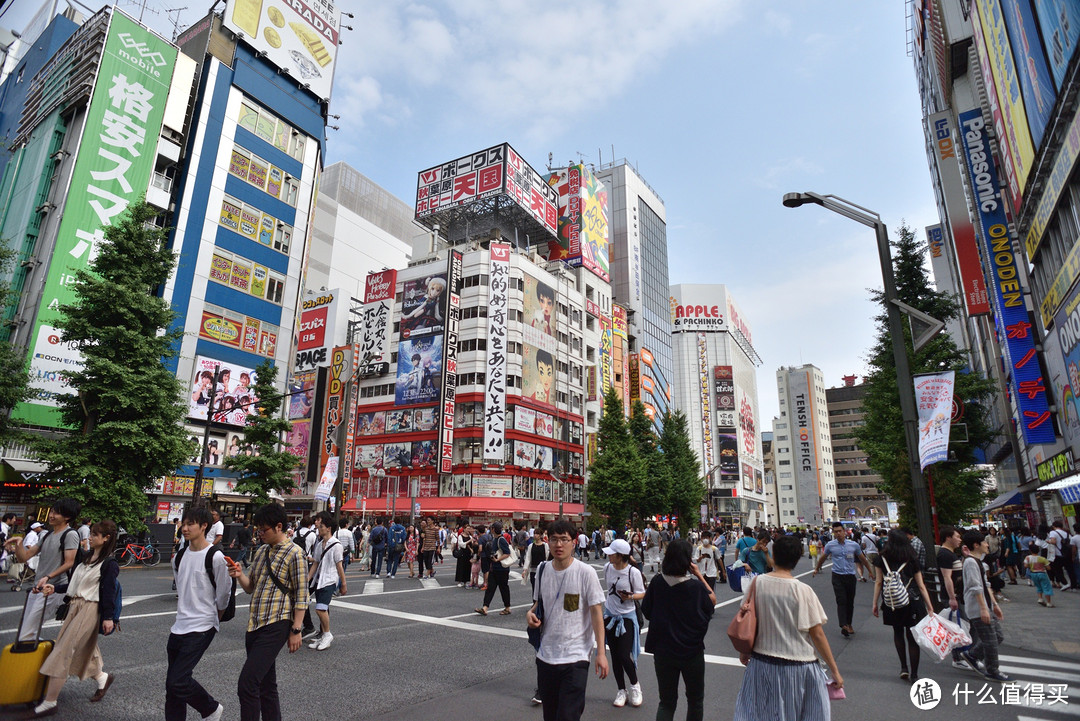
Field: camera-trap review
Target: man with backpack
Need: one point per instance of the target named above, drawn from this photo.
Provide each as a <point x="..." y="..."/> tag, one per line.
<point x="521" y="540"/>
<point x="396" y="544"/>
<point x="377" y="543"/>
<point x="305" y="536"/>
<point x="204" y="591"/>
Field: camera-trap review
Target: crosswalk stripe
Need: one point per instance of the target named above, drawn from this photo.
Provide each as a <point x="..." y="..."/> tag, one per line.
<point x="1042" y="663"/>
<point x="373" y="586"/>
<point x="1039" y="673"/>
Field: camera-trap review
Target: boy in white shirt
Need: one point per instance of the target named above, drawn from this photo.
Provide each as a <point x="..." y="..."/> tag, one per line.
<point x="201" y="599"/>
<point x="708" y="559"/>
<point x="325" y="575"/>
<point x="216" y="533"/>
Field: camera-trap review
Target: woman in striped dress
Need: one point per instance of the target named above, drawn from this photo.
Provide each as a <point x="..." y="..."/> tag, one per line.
<point x="783" y="679"/>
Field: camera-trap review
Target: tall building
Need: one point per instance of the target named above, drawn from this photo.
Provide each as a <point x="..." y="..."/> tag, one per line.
<point x="768" y="457"/>
<point x="639" y="275"/>
<point x="715" y="386"/>
<point x="857" y="492"/>
<point x="805" y="476"/>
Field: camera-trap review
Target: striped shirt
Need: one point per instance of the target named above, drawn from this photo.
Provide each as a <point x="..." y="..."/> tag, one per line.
<point x="431" y="537"/>
<point x="268" y="603"/>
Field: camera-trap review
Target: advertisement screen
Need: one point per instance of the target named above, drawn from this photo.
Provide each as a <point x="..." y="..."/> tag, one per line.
<point x="234" y="397"/>
<point x="419" y="373"/>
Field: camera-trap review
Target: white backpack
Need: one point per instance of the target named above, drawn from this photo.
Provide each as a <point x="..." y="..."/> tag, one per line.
<point x="894" y="592"/>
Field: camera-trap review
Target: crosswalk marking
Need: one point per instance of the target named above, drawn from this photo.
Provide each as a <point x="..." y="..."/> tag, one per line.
<point x="375" y="585"/>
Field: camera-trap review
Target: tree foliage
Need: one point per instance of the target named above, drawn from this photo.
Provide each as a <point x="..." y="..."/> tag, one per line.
<point x="127" y="410"/>
<point x="14" y="377"/>
<point x="657" y="479"/>
<point x="262" y="465"/>
<point x="687" y="488"/>
<point x="617" y="476"/>
<point x="957" y="483"/>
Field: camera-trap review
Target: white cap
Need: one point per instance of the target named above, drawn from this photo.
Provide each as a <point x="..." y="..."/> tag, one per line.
<point x="35" y="525"/>
<point x="618" y="546"/>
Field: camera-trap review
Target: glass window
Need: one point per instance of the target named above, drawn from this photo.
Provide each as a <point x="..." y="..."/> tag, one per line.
<point x="283" y="238"/>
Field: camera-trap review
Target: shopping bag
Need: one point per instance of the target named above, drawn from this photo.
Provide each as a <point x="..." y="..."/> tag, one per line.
<point x="735" y="575"/>
<point x="938" y="635"/>
<point x="955" y="617"/>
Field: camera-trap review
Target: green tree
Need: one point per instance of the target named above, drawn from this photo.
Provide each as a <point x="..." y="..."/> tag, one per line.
<point x="687" y="488"/>
<point x="127" y="410"/>
<point x="616" y="477"/>
<point x="14" y="378"/>
<point x="654" y="495"/>
<point x="957" y="482"/>
<point x="263" y="465"/>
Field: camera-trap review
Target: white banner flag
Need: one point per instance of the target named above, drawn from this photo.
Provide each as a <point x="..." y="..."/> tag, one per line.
<point x="934" y="398"/>
<point x="329" y="477"/>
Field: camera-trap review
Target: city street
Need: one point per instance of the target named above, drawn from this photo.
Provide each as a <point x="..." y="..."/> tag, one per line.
<point x="416" y="650"/>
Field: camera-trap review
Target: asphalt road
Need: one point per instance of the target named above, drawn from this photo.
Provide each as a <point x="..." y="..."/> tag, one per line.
<point x="415" y="650"/>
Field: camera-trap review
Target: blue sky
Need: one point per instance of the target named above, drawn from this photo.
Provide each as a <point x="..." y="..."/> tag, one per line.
<point x="723" y="106"/>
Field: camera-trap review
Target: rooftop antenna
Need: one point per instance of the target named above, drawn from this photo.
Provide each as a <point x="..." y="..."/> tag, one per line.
<point x="551" y="159"/>
<point x="142" y="7"/>
<point x="175" y="21"/>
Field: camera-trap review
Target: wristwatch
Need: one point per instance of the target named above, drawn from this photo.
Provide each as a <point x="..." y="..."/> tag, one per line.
<point x="296" y="630"/>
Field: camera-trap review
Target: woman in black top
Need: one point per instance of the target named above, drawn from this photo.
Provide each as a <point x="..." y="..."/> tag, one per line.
<point x="899" y="556"/>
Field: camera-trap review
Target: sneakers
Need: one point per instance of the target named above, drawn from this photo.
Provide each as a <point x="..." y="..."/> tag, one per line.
<point x="973" y="663"/>
<point x="636" y="696"/>
<point x="312" y="632"/>
<point x="961" y="665"/>
<point x="374" y="575"/>
<point x="536" y="698"/>
<point x="999" y="676"/>
<point x="216" y="715"/>
<point x="315" y="640"/>
<point x="325" y="641"/>
<point x="620" y="699"/>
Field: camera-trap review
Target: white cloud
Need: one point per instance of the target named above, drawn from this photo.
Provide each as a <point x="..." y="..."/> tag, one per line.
<point x="787" y="173"/>
<point x="778" y="22"/>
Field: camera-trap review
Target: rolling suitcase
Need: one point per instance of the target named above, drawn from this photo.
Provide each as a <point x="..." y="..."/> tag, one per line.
<point x="20" y="667"/>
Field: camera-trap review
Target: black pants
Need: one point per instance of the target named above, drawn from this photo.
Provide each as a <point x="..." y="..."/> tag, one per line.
<point x="843" y="586"/>
<point x="562" y="688"/>
<point x="499" y="577"/>
<point x="257" y="685"/>
<point x="668" y="669"/>
<point x="424" y="558"/>
<point x="181" y="690"/>
<point x="622" y="653"/>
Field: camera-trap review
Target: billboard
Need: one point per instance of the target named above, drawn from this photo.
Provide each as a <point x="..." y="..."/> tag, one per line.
<point x="1060" y="24"/>
<point x="705" y="389"/>
<point x="943" y="137"/>
<point x="496" y="171"/>
<point x="315" y="334"/>
<point x="334" y="412"/>
<point x="301" y="396"/>
<point x="538" y="357"/>
<point x="371" y="424"/>
<point x="298" y="36"/>
<point x="423" y="305"/>
<point x="449" y="380"/>
<point x="584" y="231"/>
<point x="234" y="397"/>
<point x="419" y="371"/>
<point x="497" y="351"/>
<point x="1067" y="328"/>
<point x="698" y="308"/>
<point x="379" y="289"/>
<point x="1035" y="82"/>
<point x="804" y="443"/>
<point x="606" y="351"/>
<point x="1018" y="343"/>
<point x="524" y="419"/>
<point x="112" y="169"/>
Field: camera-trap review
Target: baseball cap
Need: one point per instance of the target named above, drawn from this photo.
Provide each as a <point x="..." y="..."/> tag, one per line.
<point x="34" y="526"/>
<point x="618" y="546"/>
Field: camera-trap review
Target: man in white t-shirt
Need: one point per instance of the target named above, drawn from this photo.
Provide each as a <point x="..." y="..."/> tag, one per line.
<point x="31" y="540"/>
<point x="326" y="574"/>
<point x="84" y="534"/>
<point x="201" y="598"/>
<point x="216" y="533"/>
<point x="573" y="624"/>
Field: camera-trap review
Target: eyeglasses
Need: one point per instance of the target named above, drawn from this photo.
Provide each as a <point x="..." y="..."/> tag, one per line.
<point x="556" y="540"/>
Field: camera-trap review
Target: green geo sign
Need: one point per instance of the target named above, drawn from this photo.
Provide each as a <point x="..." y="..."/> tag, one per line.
<point x="112" y="168"/>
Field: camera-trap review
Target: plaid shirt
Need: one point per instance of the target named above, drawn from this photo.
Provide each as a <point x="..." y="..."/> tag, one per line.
<point x="268" y="603"/>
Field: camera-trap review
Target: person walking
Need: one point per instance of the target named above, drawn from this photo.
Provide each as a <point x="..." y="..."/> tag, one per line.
<point x="200" y="602"/>
<point x="757" y="556"/>
<point x="1038" y="568"/>
<point x="499" y="576"/>
<point x="845" y="554"/>
<point x="279" y="599"/>
<point x="679" y="605"/>
<point x="432" y="546"/>
<point x="783" y="678"/>
<point x="243" y="541"/>
<point x="460" y="550"/>
<point x="326" y="575"/>
<point x="625" y="586"/>
<point x="896" y="580"/>
<point x="951" y="584"/>
<point x="571" y="627"/>
<point x="398" y="536"/>
<point x="708" y="559"/>
<point x="92" y="594"/>
<point x="983" y="612"/>
<point x="410" y="549"/>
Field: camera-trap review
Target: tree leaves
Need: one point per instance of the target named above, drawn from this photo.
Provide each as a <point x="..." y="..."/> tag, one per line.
<point x="266" y="468"/>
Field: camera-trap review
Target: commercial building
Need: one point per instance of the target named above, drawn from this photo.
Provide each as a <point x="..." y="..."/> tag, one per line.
<point x="715" y="386"/>
<point x="768" y="460"/>
<point x="857" y="491"/>
<point x="805" y="476"/>
<point x="1000" y="107"/>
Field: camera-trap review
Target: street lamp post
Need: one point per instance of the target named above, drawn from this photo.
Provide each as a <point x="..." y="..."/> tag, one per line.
<point x="919" y="493"/>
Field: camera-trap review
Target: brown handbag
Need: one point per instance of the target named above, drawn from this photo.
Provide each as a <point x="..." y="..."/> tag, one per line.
<point x="743" y="628"/>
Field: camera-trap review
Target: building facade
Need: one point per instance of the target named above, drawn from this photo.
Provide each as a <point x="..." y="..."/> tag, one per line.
<point x="805" y="474"/>
<point x="768" y="459"/>
<point x="857" y="492"/>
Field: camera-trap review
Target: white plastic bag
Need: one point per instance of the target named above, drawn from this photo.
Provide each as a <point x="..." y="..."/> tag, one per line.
<point x="940" y="636"/>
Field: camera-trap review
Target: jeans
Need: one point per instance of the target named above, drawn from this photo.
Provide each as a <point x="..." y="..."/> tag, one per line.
<point x="181" y="690"/>
<point x="377" y="555"/>
<point x="257" y="685"/>
<point x="562" y="689"/>
<point x="843" y="586"/>
<point x="668" y="670"/>
<point x="243" y="557"/>
<point x="393" y="560"/>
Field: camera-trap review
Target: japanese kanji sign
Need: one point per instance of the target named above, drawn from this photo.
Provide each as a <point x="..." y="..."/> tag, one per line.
<point x="495" y="390"/>
<point x="934" y="398"/>
<point x="378" y="301"/>
<point x="450" y="374"/>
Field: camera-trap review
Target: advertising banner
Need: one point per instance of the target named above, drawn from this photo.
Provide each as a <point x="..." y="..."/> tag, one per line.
<point x="724" y="387"/>
<point x="298" y="36"/>
<point x="705" y="389"/>
<point x="625" y="353"/>
<point x="1060" y="23"/>
<point x="804" y="442"/>
<point x="940" y="258"/>
<point x="943" y="135"/>
<point x="497" y="351"/>
<point x="635" y="377"/>
<point x="424" y="419"/>
<point x="1053" y="187"/>
<point x="583" y="220"/>
<point x="371" y="424"/>
<point x="934" y="398"/>
<point x="538" y="361"/>
<point x="399" y="421"/>
<point x="1035" y="83"/>
<point x="327" y="480"/>
<point x="397" y="455"/>
<point x="492" y="486"/>
<point x="455" y="486"/>
<point x="423" y="306"/>
<point x="449" y="380"/>
<point x="316" y="332"/>
<point x="605" y="354"/>
<point x="701" y="317"/>
<point x="419" y="371"/>
<point x="234" y="398"/>
<point x="299" y="440"/>
<point x="334" y="414"/>
<point x="524" y="419"/>
<point x="302" y="396"/>
<point x="112" y="169"/>
<point x="1067" y="327"/>
<point x="1027" y="382"/>
<point x="378" y="302"/>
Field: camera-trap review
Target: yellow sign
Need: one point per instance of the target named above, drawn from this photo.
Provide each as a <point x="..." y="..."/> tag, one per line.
<point x="258" y="281"/>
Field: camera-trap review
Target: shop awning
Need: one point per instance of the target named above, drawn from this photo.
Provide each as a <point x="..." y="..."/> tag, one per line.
<point x="21" y="465"/>
<point x="1008" y="498"/>
<point x="1069" y="488"/>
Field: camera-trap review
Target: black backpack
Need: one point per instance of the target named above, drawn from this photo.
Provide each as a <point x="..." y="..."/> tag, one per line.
<point x="300" y="539"/>
<point x="230" y="611"/>
<point x="80" y="552"/>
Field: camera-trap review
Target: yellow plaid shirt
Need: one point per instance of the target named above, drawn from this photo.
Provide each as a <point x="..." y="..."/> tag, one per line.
<point x="268" y="603"/>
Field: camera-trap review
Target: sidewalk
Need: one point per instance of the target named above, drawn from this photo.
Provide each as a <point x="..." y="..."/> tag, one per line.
<point x="1031" y="627"/>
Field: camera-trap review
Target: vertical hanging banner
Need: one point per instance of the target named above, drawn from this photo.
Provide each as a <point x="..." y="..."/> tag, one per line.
<point x="605" y="354"/>
<point x="495" y="392"/>
<point x="705" y="387"/>
<point x="934" y="398"/>
<point x="335" y="407"/>
<point x="350" y="424"/>
<point x="620" y="331"/>
<point x="378" y="297"/>
<point x="112" y="169"/>
<point x="449" y="378"/>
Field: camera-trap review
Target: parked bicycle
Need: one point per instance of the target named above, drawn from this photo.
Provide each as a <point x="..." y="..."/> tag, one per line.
<point x="146" y="554"/>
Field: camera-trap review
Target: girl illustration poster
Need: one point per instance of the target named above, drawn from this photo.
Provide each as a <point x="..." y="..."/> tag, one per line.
<point x="422" y="306"/>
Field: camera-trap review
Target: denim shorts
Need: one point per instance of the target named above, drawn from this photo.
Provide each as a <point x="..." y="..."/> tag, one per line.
<point x="1042" y="584"/>
<point x="323" y="597"/>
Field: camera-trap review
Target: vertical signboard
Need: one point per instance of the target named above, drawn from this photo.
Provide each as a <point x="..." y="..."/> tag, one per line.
<point x="112" y="169"/>
<point x="934" y="402"/>
<point x="705" y="389"/>
<point x="315" y="333"/>
<point x="804" y="442"/>
<point x="1028" y="385"/>
<point x="334" y="414"/>
<point x="583" y="220"/>
<point x="943" y="137"/>
<point x="449" y="381"/>
<point x="727" y="435"/>
<point x="605" y="354"/>
<point x="539" y="343"/>
<point x="635" y="377"/>
<point x="495" y="380"/>
<point x="1067" y="327"/>
<point x="1060" y="24"/>
<point x="619" y="331"/>
<point x="1035" y="83"/>
<point x="379" y="289"/>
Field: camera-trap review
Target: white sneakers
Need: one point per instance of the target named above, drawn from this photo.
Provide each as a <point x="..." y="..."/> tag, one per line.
<point x="321" y="642"/>
<point x="635" y="695"/>
<point x="216" y="715"/>
<point x="620" y="699"/>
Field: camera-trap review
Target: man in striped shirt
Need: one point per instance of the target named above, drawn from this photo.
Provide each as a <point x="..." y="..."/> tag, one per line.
<point x="279" y="600"/>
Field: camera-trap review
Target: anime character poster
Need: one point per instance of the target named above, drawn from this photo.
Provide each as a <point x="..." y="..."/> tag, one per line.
<point x="397" y="455"/>
<point x="302" y="398"/>
<point x="423" y="454"/>
<point x="424" y="419"/>
<point x="370" y="456"/>
<point x="419" y="370"/>
<point x="538" y="374"/>
<point x="542" y="461"/>
<point x="299" y="439"/>
<point x="759" y="481"/>
<point x="455" y="486"/>
<point x="524" y="454"/>
<point x="423" y="306"/>
<point x="544" y="425"/>
<point x="371" y="424"/>
<point x="399" y="421"/>
<point x="524" y="487"/>
<point x="234" y="397"/>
